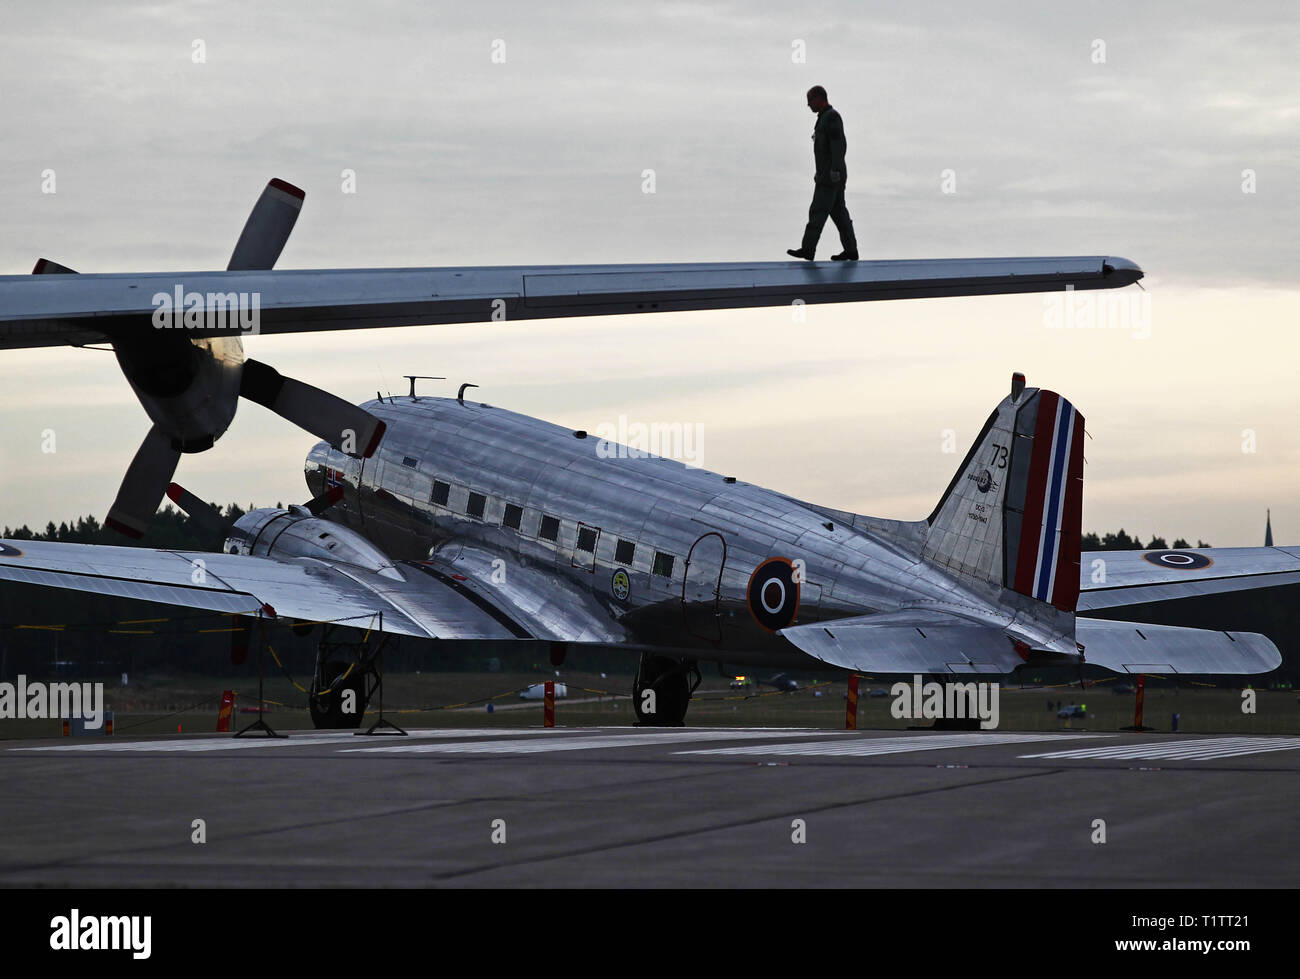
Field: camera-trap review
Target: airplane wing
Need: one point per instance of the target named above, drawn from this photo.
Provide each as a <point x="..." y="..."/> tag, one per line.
<point x="914" y="641"/>
<point x="406" y="600"/>
<point x="54" y="310"/>
<point x="1113" y="579"/>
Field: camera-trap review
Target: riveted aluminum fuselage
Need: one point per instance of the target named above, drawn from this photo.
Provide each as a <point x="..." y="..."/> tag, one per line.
<point x="716" y="532"/>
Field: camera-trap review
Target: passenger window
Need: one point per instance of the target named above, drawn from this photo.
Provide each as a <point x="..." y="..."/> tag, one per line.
<point x="475" y="505"/>
<point x="550" y="529"/>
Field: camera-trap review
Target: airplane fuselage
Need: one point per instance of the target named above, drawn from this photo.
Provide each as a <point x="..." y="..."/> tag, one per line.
<point x="672" y="556"/>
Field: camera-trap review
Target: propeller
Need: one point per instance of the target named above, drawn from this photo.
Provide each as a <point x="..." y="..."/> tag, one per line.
<point x="210" y="519"/>
<point x="343" y="425"/>
<point x="146" y="480"/>
<point x="268" y="226"/>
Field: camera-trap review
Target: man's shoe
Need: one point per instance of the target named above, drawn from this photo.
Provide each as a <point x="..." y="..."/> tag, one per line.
<point x="799" y="253"/>
<point x="845" y="257"/>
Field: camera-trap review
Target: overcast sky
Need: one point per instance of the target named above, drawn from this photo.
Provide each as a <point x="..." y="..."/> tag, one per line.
<point x="1099" y="128"/>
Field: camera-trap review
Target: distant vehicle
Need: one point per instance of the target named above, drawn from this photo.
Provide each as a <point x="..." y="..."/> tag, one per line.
<point x="741" y="682"/>
<point x="1074" y="710"/>
<point x="1122" y="688"/>
<point x="538" y="692"/>
<point x="782" y="682"/>
<point x="879" y="692"/>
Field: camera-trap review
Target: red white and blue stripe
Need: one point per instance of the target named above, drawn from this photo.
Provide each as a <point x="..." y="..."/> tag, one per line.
<point x="1047" y="563"/>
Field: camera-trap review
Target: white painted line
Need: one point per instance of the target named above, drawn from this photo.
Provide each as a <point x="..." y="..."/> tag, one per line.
<point x="259" y="741"/>
<point x="889" y="746"/>
<point x="565" y="741"/>
<point x="1195" y="749"/>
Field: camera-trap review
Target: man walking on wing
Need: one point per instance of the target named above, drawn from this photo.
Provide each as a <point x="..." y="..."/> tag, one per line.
<point x="828" y="194"/>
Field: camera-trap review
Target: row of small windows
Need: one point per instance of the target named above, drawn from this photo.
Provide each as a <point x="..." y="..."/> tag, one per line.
<point x="549" y="529"/>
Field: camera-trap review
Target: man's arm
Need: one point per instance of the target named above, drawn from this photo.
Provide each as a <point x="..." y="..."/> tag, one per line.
<point x="838" y="146"/>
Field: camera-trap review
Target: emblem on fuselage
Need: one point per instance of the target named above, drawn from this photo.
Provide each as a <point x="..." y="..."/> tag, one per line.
<point x="1179" y="560"/>
<point x="620" y="585"/>
<point x="984" y="481"/>
<point x="773" y="594"/>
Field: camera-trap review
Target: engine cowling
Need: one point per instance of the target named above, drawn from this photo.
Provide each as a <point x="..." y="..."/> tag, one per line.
<point x="189" y="388"/>
<point x="295" y="533"/>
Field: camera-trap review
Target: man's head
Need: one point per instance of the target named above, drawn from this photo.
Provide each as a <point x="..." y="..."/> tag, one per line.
<point x="817" y="98"/>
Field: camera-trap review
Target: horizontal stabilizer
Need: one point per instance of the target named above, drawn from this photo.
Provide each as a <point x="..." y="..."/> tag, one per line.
<point x="1137" y="647"/>
<point x="909" y="641"/>
<point x="919" y="640"/>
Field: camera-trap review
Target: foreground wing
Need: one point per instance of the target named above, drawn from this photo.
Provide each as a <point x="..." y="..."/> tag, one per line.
<point x="412" y="604"/>
<point x="1113" y="579"/>
<point x="50" y="310"/>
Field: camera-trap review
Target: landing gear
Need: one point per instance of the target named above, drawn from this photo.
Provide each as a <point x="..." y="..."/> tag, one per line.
<point x="346" y="679"/>
<point x="338" y="696"/>
<point x="662" y="690"/>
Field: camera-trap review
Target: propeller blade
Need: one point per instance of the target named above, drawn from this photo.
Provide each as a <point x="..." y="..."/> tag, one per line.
<point x="319" y="504"/>
<point x="343" y="425"/>
<point x="201" y="512"/>
<point x="143" y="485"/>
<point x="45" y="267"/>
<point x="268" y="226"/>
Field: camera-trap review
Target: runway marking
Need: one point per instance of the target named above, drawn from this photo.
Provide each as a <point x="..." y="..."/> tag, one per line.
<point x="239" y="744"/>
<point x="562" y="742"/>
<point x="1187" y="750"/>
<point x="888" y="746"/>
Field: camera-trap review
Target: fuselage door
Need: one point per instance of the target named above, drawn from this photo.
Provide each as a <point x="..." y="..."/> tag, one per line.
<point x="701" y="584"/>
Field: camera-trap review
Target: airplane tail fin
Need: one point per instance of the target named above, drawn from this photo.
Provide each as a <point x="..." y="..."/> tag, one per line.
<point x="1012" y="515"/>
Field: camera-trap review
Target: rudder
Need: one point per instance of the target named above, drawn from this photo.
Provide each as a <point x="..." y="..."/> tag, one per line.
<point x="1012" y="515"/>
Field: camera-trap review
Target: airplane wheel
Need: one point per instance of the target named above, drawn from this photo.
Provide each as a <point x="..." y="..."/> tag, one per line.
<point x="327" y="708"/>
<point x="673" y="682"/>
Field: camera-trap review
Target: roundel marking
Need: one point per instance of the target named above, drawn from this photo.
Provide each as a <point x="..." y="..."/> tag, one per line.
<point x="7" y="551"/>
<point x="1178" y="560"/>
<point x="773" y="594"/>
<point x="620" y="585"/>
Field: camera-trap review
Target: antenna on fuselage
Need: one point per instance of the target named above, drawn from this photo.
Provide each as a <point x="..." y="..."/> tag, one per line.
<point x="419" y="377"/>
<point x="460" y="395"/>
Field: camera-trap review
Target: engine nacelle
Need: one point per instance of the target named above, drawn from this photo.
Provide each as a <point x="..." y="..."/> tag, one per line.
<point x="295" y="533"/>
<point x="189" y="388"/>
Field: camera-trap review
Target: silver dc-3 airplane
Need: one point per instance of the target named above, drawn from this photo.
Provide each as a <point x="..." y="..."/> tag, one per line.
<point x="450" y="519"/>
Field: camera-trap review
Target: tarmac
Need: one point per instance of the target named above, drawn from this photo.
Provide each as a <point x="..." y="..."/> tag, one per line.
<point x="637" y="807"/>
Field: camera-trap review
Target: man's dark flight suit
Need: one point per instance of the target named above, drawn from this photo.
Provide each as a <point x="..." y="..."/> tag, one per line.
<point x="828" y="196"/>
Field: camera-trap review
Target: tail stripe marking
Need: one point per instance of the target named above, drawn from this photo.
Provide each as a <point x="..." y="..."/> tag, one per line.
<point x="1049" y="542"/>
<point x="1035" y="495"/>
